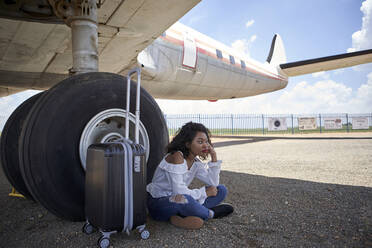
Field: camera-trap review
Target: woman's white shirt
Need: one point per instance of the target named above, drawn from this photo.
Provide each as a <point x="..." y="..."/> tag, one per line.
<point x="173" y="179"/>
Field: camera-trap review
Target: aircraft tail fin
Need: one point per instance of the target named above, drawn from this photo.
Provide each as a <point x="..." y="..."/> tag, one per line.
<point x="277" y="52"/>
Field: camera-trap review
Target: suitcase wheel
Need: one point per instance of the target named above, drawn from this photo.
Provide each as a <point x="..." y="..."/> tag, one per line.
<point x="103" y="242"/>
<point x="145" y="234"/>
<point x="88" y="228"/>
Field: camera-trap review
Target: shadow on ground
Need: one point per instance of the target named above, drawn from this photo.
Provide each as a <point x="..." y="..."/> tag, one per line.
<point x="270" y="212"/>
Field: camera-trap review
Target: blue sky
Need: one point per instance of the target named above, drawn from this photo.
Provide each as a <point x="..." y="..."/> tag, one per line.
<point x="309" y="29"/>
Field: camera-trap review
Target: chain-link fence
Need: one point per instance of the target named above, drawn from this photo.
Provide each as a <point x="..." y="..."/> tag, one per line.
<point x="251" y="124"/>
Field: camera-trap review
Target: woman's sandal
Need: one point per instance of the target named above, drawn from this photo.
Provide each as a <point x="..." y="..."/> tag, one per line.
<point x="189" y="222"/>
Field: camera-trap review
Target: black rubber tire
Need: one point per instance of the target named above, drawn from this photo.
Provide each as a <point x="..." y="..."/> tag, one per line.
<point x="49" y="144"/>
<point x="9" y="145"/>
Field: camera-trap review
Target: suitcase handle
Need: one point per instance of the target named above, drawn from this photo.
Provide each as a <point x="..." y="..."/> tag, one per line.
<point x="130" y="73"/>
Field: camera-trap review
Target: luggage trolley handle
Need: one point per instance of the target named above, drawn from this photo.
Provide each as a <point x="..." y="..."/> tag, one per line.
<point x="130" y="73"/>
<point x="128" y="216"/>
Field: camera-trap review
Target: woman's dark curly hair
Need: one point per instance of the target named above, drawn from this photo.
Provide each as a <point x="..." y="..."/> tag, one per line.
<point x="185" y="135"/>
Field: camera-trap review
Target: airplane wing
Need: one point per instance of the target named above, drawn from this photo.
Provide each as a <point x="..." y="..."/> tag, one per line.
<point x="137" y="24"/>
<point x="36" y="53"/>
<point x="326" y="63"/>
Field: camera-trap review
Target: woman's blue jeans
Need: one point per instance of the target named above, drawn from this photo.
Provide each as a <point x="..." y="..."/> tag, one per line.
<point x="163" y="208"/>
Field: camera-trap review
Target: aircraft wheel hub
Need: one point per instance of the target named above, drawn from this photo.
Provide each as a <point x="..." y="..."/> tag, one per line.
<point x="109" y="126"/>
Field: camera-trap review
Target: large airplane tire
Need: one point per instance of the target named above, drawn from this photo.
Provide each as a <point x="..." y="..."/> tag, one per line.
<point x="81" y="110"/>
<point x="9" y="145"/>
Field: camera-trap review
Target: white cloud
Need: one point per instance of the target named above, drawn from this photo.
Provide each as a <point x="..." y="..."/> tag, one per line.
<point x="362" y="39"/>
<point x="253" y="38"/>
<point x="363" y="100"/>
<point x="243" y="46"/>
<point x="324" y="96"/>
<point x="249" y="23"/>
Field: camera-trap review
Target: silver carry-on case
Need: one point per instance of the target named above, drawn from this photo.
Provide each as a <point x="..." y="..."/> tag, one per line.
<point x="115" y="185"/>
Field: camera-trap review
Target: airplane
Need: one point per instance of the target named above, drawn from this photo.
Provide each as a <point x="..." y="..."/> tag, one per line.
<point x="77" y="52"/>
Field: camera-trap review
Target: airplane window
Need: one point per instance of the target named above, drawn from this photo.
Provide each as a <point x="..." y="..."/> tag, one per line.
<point x="242" y="64"/>
<point x="219" y="54"/>
<point x="232" y="60"/>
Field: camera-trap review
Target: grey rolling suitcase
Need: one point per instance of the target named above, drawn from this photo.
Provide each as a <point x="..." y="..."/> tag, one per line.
<point x="115" y="186"/>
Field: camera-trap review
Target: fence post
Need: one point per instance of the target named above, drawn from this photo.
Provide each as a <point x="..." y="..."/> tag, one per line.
<point x="232" y="124"/>
<point x="347" y="122"/>
<point x="199" y="119"/>
<point x="292" y="123"/>
<point x="263" y="124"/>
<point x="320" y="123"/>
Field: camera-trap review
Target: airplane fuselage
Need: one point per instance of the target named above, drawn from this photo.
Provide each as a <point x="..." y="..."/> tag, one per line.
<point x="185" y="64"/>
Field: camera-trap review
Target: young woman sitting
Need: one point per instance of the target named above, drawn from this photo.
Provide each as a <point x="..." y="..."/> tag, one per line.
<point x="170" y="198"/>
